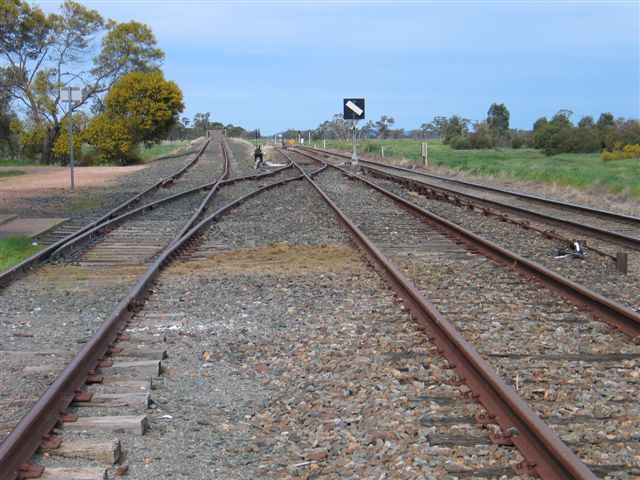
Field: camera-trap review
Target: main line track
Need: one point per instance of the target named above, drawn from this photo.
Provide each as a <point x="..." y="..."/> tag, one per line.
<point x="616" y="228"/>
<point x="416" y="261"/>
<point x="409" y="253"/>
<point x="120" y="255"/>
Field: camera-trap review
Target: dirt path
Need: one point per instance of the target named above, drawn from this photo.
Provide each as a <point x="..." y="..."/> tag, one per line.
<point x="39" y="181"/>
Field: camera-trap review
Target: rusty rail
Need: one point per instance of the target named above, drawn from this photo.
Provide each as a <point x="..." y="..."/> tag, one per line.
<point x="618" y="316"/>
<point x="43" y="255"/>
<point x="26" y="437"/>
<point x="605" y="214"/>
<point x="545" y="453"/>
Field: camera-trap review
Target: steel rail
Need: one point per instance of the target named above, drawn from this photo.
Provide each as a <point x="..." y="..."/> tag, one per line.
<point x="605" y="214"/>
<point x="615" y="314"/>
<point x="25" y="439"/>
<point x="29" y="263"/>
<point x="545" y="453"/>
<point x="607" y="235"/>
<point x="89" y="236"/>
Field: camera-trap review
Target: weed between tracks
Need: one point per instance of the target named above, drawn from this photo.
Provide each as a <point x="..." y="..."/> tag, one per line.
<point x="75" y="273"/>
<point x="277" y="257"/>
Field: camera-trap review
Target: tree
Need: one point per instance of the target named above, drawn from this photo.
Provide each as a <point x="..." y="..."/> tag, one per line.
<point x="498" y="122"/>
<point x="456" y="127"/>
<point x="141" y="107"/>
<point x="8" y="120"/>
<point x="46" y="52"/>
<point x="439" y="125"/>
<point x="606" y="120"/>
<point x="481" y="136"/>
<point x="586" y="122"/>
<point x="383" y="126"/>
<point x="367" y="130"/>
<point x="337" y="128"/>
<point x="201" y="122"/>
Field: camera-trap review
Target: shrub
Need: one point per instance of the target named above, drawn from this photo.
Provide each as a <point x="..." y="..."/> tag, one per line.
<point x="460" y="143"/>
<point x="479" y="140"/>
<point x="517" y="142"/>
<point x="629" y="151"/>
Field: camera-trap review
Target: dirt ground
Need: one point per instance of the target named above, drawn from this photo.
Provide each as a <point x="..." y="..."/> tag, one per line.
<point x="38" y="181"/>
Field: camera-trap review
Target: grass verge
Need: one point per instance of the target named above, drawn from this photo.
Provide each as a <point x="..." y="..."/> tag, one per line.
<point x="11" y="173"/>
<point x="585" y="171"/>
<point x="15" y="249"/>
<point x="4" y="162"/>
<point x="146" y="154"/>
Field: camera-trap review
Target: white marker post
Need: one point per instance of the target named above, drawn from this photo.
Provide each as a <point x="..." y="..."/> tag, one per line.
<point x="71" y="94"/>
<point x="425" y="152"/>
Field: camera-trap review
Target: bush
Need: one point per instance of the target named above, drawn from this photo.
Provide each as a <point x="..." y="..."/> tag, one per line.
<point x="629" y="151"/>
<point x="517" y="142"/>
<point x="479" y="140"/>
<point x="460" y="143"/>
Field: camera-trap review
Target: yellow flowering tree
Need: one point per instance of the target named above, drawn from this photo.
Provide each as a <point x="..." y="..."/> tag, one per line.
<point x="140" y="107"/>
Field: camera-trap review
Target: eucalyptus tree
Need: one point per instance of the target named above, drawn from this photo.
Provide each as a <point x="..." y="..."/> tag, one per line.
<point x="42" y="53"/>
<point x="498" y="122"/>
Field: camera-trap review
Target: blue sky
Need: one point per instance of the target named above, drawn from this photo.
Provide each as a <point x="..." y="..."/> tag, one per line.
<point x="276" y="65"/>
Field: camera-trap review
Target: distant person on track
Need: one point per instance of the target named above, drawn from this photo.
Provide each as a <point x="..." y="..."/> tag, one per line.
<point x="257" y="154"/>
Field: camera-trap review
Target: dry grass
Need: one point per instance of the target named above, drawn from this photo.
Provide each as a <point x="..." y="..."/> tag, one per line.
<point x="277" y="257"/>
<point x="76" y="273"/>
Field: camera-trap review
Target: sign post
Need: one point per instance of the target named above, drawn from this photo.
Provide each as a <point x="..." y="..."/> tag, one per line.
<point x="71" y="94"/>
<point x="353" y="109"/>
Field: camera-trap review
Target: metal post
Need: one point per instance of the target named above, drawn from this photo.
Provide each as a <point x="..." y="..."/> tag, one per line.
<point x="382" y="150"/>
<point x="354" y="157"/>
<point x="324" y="143"/>
<point x="71" y="140"/>
<point x="309" y="137"/>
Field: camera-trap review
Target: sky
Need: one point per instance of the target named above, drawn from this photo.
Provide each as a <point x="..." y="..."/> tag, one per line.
<point x="278" y="65"/>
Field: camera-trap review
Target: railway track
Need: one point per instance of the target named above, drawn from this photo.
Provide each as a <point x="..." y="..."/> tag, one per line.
<point x="615" y="229"/>
<point x="595" y="270"/>
<point x="342" y="379"/>
<point x="103" y="271"/>
<point x="69" y="231"/>
<point x="404" y="239"/>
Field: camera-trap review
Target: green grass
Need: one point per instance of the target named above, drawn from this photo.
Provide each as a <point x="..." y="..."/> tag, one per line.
<point x="5" y="162"/>
<point x="147" y="154"/>
<point x="584" y="171"/>
<point x="11" y="173"/>
<point x="15" y="249"/>
<point x="87" y="202"/>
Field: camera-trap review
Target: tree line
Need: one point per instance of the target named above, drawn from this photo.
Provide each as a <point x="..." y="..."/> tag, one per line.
<point x="559" y="135"/>
<point x="125" y="98"/>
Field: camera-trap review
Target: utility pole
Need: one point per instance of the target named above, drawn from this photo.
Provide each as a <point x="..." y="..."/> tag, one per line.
<point x="72" y="94"/>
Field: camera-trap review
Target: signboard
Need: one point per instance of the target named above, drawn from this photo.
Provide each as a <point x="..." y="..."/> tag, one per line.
<point x="353" y="109"/>
<point x="71" y="94"/>
<point x="292" y="141"/>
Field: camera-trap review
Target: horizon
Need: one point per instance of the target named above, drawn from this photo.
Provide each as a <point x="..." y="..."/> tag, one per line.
<point x="279" y="65"/>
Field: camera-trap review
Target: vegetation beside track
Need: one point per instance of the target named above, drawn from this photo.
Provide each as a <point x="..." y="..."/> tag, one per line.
<point x="146" y="154"/>
<point x="586" y="171"/>
<point x="15" y="249"/>
<point x="11" y="173"/>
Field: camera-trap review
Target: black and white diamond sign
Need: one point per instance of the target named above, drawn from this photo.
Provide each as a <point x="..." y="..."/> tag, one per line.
<point x="353" y="109"/>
